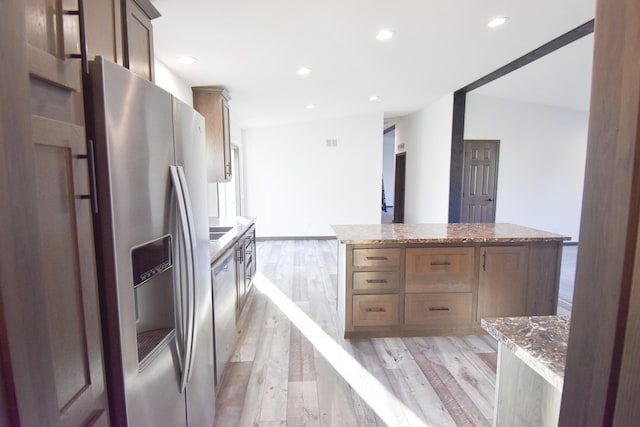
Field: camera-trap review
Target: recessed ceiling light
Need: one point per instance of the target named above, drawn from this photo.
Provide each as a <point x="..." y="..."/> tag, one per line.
<point x="374" y="98"/>
<point x="497" y="21"/>
<point x="310" y="106"/>
<point x="187" y="60"/>
<point x="384" y="34"/>
<point x="303" y="71"/>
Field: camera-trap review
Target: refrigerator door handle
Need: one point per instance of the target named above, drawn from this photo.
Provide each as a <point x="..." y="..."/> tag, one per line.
<point x="191" y="325"/>
<point x="186" y="309"/>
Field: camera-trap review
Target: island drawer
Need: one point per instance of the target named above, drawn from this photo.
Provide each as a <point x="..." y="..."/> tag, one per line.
<point x="438" y="309"/>
<point x="375" y="310"/>
<point x="376" y="257"/>
<point x="376" y="280"/>
<point x="448" y="269"/>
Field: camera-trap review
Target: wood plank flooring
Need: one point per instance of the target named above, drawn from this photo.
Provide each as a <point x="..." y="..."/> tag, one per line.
<point x="290" y="366"/>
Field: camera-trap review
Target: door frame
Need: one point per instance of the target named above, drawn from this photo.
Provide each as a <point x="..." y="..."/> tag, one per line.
<point x="399" y="187"/>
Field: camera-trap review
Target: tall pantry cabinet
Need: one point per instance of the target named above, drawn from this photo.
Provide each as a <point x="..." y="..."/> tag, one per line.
<point x="51" y="359"/>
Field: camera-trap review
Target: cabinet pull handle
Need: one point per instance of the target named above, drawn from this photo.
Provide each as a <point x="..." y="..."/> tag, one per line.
<point x="79" y="12"/>
<point x="484" y="261"/>
<point x="376" y="281"/>
<point x="375" y="310"/>
<point x="377" y="258"/>
<point x="438" y="308"/>
<point x="441" y="263"/>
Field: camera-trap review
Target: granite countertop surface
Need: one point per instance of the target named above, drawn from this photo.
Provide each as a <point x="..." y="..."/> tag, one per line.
<point x="539" y="341"/>
<point x="240" y="224"/>
<point x="441" y="233"/>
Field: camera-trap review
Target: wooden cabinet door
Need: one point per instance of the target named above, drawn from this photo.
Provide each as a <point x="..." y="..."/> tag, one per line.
<point x="103" y="24"/>
<point x="212" y="103"/>
<point x="70" y="282"/>
<point x="61" y="382"/>
<point x="226" y="139"/>
<point x="502" y="286"/>
<point x="139" y="40"/>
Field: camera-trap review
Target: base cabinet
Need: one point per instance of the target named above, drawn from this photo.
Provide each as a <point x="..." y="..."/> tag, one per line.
<point x="502" y="284"/>
<point x="231" y="275"/>
<point x="437" y="289"/>
<point x="245" y="267"/>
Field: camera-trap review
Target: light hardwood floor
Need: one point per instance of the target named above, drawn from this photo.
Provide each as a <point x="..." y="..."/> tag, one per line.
<point x="290" y="366"/>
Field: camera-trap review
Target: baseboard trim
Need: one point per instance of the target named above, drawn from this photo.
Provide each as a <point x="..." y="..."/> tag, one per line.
<point x="264" y="239"/>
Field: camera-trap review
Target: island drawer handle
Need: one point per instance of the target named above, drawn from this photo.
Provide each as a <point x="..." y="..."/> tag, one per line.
<point x="376" y="281"/>
<point x="377" y="258"/>
<point x="375" y="310"/>
<point x="438" y="308"/>
<point x="441" y="263"/>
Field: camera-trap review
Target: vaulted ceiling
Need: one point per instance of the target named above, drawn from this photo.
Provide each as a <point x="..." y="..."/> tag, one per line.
<point x="254" y="48"/>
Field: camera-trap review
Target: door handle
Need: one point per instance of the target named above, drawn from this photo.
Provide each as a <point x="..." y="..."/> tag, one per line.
<point x="489" y="200"/>
<point x="193" y="283"/>
<point x="188" y="309"/>
<point x="183" y="308"/>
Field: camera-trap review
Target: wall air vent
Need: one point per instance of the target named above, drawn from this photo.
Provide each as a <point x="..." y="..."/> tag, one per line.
<point x="332" y="142"/>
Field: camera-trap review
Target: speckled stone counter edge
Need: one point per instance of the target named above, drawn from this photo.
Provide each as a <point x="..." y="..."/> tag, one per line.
<point x="539" y="341"/>
<point x="441" y="233"/>
<point x="241" y="224"/>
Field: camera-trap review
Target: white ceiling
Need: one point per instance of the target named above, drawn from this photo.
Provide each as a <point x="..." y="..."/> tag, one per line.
<point x="254" y="49"/>
<point x="561" y="78"/>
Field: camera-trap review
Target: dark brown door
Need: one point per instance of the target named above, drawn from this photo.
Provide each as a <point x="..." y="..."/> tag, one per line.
<point x="479" y="185"/>
<point x="398" y="199"/>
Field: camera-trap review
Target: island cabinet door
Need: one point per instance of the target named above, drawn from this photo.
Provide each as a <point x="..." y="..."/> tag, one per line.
<point x="502" y="286"/>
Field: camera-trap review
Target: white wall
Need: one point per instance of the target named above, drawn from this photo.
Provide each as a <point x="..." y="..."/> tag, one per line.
<point x="172" y="83"/>
<point x="541" y="164"/>
<point x="297" y="186"/>
<point x="388" y="165"/>
<point x="426" y="135"/>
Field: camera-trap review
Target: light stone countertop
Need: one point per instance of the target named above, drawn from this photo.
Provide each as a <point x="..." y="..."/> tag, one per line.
<point x="539" y="341"/>
<point x="441" y="233"/>
<point x="240" y="225"/>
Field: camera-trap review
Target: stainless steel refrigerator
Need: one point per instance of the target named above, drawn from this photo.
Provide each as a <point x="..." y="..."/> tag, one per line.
<point x="153" y="241"/>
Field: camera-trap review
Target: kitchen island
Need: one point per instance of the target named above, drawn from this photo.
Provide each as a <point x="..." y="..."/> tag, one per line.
<point x="441" y="279"/>
<point x="531" y="357"/>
